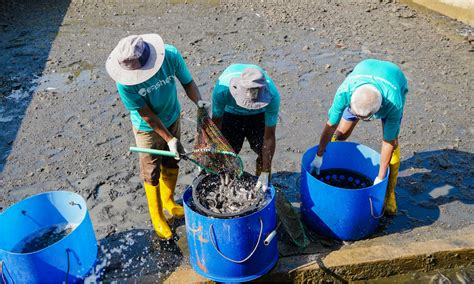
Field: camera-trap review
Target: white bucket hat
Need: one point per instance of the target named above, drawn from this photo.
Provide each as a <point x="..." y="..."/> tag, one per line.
<point x="240" y="87"/>
<point x="136" y="58"/>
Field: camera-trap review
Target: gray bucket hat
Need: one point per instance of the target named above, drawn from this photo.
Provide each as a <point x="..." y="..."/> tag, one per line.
<point x="249" y="79"/>
<point x="136" y="58"/>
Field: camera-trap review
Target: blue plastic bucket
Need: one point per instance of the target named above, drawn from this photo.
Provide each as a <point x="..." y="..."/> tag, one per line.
<point x="71" y="257"/>
<point x="231" y="250"/>
<point x="345" y="214"/>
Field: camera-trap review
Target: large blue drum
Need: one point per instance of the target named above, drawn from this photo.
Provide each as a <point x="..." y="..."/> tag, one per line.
<point x="345" y="214"/>
<point x="231" y="250"/>
<point x="71" y="257"/>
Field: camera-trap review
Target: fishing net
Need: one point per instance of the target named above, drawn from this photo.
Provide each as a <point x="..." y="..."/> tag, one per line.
<point x="290" y="220"/>
<point x="212" y="151"/>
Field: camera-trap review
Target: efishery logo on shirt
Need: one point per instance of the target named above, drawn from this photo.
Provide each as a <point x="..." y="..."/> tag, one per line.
<point x="145" y="91"/>
<point x="376" y="78"/>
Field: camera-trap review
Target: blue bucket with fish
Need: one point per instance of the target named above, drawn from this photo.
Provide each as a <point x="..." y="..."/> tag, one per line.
<point x="343" y="213"/>
<point x="231" y="249"/>
<point x="47" y="238"/>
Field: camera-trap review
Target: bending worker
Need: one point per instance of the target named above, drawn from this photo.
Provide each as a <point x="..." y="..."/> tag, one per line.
<point x="245" y="104"/>
<point x="374" y="89"/>
<point x="145" y="69"/>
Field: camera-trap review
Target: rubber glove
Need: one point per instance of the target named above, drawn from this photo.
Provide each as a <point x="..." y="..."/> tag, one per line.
<point x="176" y="147"/>
<point x="263" y="181"/>
<point x="377" y="180"/>
<point x="316" y="164"/>
<point x="204" y="104"/>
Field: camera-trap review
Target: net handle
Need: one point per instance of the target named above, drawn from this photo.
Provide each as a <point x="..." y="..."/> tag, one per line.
<point x="186" y="156"/>
<point x="152" y="151"/>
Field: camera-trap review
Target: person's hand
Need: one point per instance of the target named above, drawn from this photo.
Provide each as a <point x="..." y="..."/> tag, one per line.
<point x="204" y="104"/>
<point x="263" y="181"/>
<point x="377" y="180"/>
<point x="176" y="147"/>
<point x="316" y="164"/>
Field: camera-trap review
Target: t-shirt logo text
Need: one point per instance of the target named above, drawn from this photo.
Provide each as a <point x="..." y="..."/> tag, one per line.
<point x="145" y="91"/>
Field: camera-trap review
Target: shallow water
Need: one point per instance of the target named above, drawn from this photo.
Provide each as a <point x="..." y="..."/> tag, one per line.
<point x="43" y="238"/>
<point x="344" y="178"/>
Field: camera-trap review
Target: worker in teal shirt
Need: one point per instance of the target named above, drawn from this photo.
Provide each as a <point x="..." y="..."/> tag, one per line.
<point x="145" y="70"/>
<point x="375" y="89"/>
<point x="245" y="104"/>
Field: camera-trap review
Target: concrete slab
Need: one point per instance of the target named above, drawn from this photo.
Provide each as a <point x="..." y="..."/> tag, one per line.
<point x="462" y="10"/>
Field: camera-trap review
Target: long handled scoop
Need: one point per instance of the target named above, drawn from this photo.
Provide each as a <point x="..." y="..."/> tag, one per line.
<point x="156" y="152"/>
<point x="187" y="156"/>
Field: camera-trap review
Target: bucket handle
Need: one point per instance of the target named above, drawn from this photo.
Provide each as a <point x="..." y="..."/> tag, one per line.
<point x="4" y="280"/>
<point x="68" y="265"/>
<point x="211" y="236"/>
<point x="372" y="209"/>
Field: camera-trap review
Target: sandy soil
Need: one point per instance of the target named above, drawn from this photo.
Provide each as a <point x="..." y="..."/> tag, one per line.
<point x="64" y="127"/>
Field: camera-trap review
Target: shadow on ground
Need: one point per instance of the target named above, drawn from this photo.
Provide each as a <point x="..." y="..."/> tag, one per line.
<point x="434" y="186"/>
<point x="28" y="29"/>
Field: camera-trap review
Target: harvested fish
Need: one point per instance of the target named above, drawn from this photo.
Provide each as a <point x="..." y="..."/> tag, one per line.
<point x="228" y="195"/>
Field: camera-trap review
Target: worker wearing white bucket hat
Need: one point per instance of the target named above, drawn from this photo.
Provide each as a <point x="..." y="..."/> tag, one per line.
<point x="245" y="105"/>
<point x="145" y="69"/>
<point x="374" y="89"/>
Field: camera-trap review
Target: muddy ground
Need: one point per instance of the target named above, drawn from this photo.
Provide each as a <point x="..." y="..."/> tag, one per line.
<point x="63" y="126"/>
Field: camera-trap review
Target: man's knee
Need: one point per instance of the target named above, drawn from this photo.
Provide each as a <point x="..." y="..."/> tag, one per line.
<point x="151" y="175"/>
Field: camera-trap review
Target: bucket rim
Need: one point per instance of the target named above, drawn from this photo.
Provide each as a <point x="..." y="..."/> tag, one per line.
<point x="189" y="188"/>
<point x="340" y="188"/>
<point x="57" y="242"/>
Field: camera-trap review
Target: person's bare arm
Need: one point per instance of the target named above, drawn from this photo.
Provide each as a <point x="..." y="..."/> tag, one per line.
<point x="155" y="123"/>
<point x="326" y="136"/>
<point x="385" y="156"/>
<point x="269" y="145"/>
<point x="192" y="91"/>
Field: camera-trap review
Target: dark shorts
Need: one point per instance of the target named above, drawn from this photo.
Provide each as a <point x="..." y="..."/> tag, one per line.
<point x="236" y="128"/>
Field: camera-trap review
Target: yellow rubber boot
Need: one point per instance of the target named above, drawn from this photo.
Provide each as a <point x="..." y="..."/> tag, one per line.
<point x="390" y="200"/>
<point x="168" y="179"/>
<point x="156" y="213"/>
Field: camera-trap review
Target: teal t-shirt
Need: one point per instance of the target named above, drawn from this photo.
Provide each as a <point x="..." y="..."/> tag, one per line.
<point x="389" y="79"/>
<point x="158" y="92"/>
<point x="222" y="99"/>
